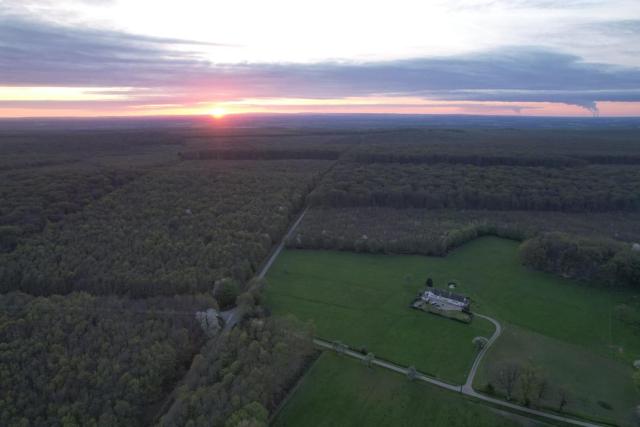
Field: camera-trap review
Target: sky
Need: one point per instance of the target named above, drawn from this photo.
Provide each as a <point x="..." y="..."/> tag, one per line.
<point x="156" y="57"/>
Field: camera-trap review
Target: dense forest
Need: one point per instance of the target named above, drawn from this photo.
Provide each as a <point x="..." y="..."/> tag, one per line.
<point x="118" y="213"/>
<point x="259" y="154"/>
<point x="599" y="260"/>
<point x="585" y="189"/>
<point x="240" y="378"/>
<point x="437" y="231"/>
<point x="582" y="144"/>
<point x="33" y="149"/>
<point x="34" y="197"/>
<point x="81" y="360"/>
<point x="437" y="157"/>
<point x="176" y="230"/>
<point x="500" y="148"/>
<point x="141" y="229"/>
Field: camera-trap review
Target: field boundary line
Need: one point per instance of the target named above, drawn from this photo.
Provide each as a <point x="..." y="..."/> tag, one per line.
<point x="294" y="389"/>
<point x="458" y="388"/>
<point x="267" y="265"/>
<point x="462" y="389"/>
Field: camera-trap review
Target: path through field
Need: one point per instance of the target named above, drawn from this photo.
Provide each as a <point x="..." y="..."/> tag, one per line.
<point x="467" y="388"/>
<point x="468" y="385"/>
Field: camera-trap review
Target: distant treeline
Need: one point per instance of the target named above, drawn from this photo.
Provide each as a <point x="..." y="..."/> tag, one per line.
<point x="595" y="260"/>
<point x="471" y="159"/>
<point x="600" y="260"/>
<point x="605" y="159"/>
<point x="38" y="148"/>
<point x="420" y="243"/>
<point x="586" y="189"/>
<point x="492" y="160"/>
<point x="594" y="256"/>
<point x="434" y="232"/>
<point x="259" y="154"/>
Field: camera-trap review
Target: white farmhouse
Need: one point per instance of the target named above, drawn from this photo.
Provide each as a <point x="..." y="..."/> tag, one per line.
<point x="446" y="299"/>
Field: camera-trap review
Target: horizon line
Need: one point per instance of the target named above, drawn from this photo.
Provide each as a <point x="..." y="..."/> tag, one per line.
<point x="310" y="113"/>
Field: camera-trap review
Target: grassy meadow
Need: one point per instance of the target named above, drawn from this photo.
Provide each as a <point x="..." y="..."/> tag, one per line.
<point x="342" y="391"/>
<point x="596" y="386"/>
<point x="565" y="328"/>
<point x="364" y="301"/>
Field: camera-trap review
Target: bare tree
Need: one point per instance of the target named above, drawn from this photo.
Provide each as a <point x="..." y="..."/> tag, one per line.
<point x="563" y="398"/>
<point x="506" y="376"/>
<point x="339" y="347"/>
<point x="542" y="391"/>
<point x="479" y="342"/>
<point x="368" y="359"/>
<point x="412" y="374"/>
<point x="529" y="383"/>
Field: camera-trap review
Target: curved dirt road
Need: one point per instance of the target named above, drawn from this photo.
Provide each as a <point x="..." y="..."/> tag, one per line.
<point x="234" y="316"/>
<point x="468" y="385"/>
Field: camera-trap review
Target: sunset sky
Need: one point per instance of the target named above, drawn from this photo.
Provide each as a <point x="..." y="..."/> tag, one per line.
<point x="150" y="57"/>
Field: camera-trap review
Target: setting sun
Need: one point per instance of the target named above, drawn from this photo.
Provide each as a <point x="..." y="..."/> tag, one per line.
<point x="218" y="112"/>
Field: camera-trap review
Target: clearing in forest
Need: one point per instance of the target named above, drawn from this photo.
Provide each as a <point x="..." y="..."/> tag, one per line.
<point x="364" y="302"/>
<point x="361" y="300"/>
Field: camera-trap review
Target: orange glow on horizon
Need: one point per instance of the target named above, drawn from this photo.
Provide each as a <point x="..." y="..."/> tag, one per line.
<point x="218" y="112"/>
<point x="373" y="104"/>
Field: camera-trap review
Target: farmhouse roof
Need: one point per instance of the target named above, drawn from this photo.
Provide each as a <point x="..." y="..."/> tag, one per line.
<point x="448" y="294"/>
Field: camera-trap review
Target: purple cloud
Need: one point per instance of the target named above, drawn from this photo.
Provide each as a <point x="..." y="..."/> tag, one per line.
<point x="163" y="70"/>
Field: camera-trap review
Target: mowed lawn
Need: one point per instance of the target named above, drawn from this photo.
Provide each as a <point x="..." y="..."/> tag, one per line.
<point x="564" y="327"/>
<point x="363" y="301"/>
<point x="340" y="391"/>
<point x="597" y="386"/>
<point x="489" y="270"/>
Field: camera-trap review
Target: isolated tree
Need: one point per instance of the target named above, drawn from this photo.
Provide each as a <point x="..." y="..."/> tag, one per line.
<point x="490" y="389"/>
<point x="339" y="347"/>
<point x="529" y="383"/>
<point x="429" y="282"/>
<point x="542" y="389"/>
<point x="479" y="342"/>
<point x="368" y="359"/>
<point x="412" y="374"/>
<point x="506" y="376"/>
<point x="563" y="398"/>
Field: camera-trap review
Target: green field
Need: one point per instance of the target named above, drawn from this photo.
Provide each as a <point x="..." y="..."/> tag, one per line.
<point x="339" y="391"/>
<point x="589" y="378"/>
<point x="364" y="301"/>
<point x="489" y="271"/>
<point x="564" y="327"/>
